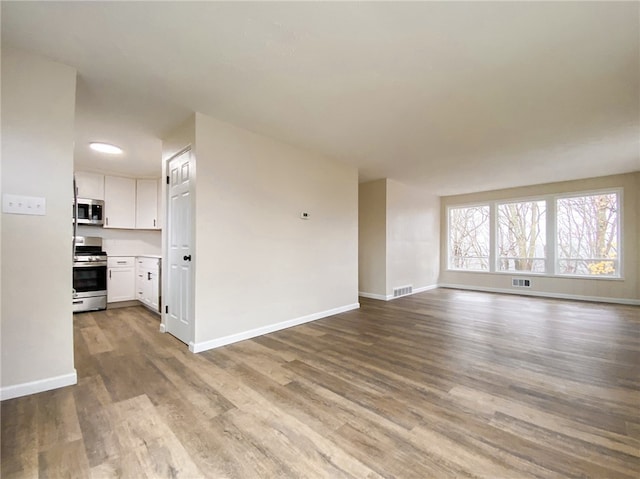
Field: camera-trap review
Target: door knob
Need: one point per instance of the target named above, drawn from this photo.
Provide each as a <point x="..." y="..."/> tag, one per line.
<point x="186" y="258"/>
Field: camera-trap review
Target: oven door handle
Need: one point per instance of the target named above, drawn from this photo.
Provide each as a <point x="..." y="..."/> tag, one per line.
<point x="89" y="264"/>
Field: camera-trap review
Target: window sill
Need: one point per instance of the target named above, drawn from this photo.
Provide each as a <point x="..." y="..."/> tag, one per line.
<point x="537" y="275"/>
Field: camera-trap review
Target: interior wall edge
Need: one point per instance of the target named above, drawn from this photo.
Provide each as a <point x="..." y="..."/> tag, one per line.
<point x="41" y="385"/>
<point x="390" y="297"/>
<point x="198" y="347"/>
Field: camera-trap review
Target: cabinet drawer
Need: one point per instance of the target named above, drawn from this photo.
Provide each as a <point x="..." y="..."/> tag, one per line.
<point x="120" y="261"/>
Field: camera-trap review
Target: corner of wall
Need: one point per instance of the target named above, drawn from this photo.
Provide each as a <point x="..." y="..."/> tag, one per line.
<point x="372" y="238"/>
<point x="413" y="238"/>
<point x="38" y="109"/>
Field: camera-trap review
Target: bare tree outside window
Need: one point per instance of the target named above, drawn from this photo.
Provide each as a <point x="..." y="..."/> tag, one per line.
<point x="522" y="236"/>
<point x="588" y="235"/>
<point x="469" y="238"/>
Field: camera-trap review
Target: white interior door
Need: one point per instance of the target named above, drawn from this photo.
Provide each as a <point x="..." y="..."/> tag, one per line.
<point x="179" y="312"/>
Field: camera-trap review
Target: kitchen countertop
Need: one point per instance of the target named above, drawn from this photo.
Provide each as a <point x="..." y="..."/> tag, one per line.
<point x="157" y="256"/>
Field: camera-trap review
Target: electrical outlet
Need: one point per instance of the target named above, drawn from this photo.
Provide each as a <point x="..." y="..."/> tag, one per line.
<point x="23" y="205"/>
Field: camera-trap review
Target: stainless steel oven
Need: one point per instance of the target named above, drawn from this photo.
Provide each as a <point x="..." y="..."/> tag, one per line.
<point x="89" y="275"/>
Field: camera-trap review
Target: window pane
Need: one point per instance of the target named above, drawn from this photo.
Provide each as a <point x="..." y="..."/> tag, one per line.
<point x="521" y="236"/>
<point x="469" y="238"/>
<point x="588" y="235"/>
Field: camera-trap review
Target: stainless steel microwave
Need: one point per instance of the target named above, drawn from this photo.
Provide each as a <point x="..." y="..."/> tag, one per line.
<point x="89" y="212"/>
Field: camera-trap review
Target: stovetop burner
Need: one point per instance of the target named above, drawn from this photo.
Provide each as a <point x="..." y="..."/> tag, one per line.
<point x="89" y="246"/>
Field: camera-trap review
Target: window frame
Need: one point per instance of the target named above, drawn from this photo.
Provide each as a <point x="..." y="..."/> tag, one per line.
<point x="448" y="225"/>
<point x="551" y="259"/>
<point x="531" y="199"/>
<point x="577" y="194"/>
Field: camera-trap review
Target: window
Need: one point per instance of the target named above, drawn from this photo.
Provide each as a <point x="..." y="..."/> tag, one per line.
<point x="469" y="238"/>
<point x="522" y="236"/>
<point x="588" y="235"/>
<point x="576" y="234"/>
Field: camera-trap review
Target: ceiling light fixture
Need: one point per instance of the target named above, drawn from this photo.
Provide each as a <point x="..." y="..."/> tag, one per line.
<point x="105" y="148"/>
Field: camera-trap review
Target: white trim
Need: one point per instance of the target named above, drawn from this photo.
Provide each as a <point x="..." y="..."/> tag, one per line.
<point x="390" y="297"/>
<point x="252" y="333"/>
<point x="543" y="294"/>
<point x="491" y="258"/>
<point x="163" y="328"/>
<point x="619" y="192"/>
<point x="425" y="288"/>
<point x="380" y="297"/>
<point x="41" y="385"/>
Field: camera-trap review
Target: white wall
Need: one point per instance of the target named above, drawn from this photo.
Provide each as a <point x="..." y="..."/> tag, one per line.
<point x="258" y="265"/>
<point x="38" y="102"/>
<point x="399" y="239"/>
<point x="372" y="238"/>
<point x="413" y="237"/>
<point x="625" y="290"/>
<point x="117" y="242"/>
<point x="637" y="243"/>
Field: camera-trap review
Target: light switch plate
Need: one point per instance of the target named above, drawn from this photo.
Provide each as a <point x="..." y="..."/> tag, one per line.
<point x="23" y="205"/>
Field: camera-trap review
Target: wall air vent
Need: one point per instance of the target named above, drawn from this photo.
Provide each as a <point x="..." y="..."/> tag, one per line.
<point x="402" y="291"/>
<point x="520" y="282"/>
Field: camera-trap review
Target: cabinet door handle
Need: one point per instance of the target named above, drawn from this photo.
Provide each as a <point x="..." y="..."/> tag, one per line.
<point x="109" y="274"/>
<point x="149" y="275"/>
<point x="154" y="223"/>
<point x="186" y="258"/>
<point x="106" y="221"/>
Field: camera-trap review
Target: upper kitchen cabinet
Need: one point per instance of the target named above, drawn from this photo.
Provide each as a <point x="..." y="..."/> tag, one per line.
<point x="119" y="202"/>
<point x="147" y="204"/>
<point x="89" y="185"/>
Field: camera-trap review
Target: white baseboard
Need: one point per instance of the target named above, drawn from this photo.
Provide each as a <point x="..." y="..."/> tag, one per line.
<point x="390" y="297"/>
<point x="425" y="288"/>
<point x="380" y="297"/>
<point x="124" y="304"/>
<point x="543" y="294"/>
<point x="234" y="338"/>
<point x="163" y="328"/>
<point x="33" y="387"/>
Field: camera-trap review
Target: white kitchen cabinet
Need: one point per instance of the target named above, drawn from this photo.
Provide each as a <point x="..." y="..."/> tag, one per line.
<point x="119" y="202"/>
<point x="147" y="204"/>
<point x="148" y="282"/>
<point x="90" y="185"/>
<point x="121" y="279"/>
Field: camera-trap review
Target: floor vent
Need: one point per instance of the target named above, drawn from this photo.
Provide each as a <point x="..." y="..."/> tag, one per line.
<point x="402" y="291"/>
<point x="520" y="283"/>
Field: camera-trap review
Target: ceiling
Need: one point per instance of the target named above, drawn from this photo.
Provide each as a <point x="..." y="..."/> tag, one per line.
<point x="452" y="97"/>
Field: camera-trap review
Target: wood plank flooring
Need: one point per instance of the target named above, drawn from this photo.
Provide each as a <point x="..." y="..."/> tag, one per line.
<point x="441" y="384"/>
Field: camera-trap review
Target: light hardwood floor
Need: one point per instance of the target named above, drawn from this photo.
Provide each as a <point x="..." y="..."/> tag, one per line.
<point x="440" y="384"/>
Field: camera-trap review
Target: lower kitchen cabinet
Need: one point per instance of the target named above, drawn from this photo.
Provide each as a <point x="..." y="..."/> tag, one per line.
<point x="148" y="282"/>
<point x="121" y="279"/>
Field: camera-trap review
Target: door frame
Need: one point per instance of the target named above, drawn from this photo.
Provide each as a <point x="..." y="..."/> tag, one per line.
<point x="165" y="242"/>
